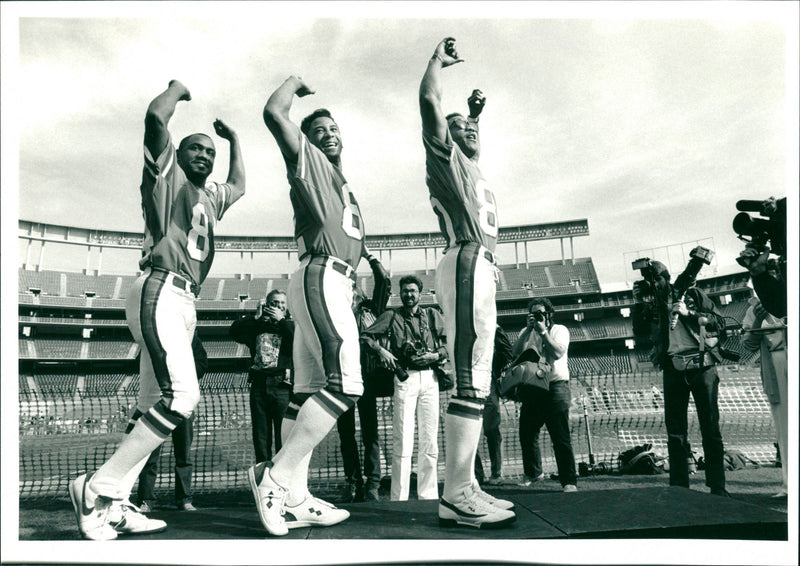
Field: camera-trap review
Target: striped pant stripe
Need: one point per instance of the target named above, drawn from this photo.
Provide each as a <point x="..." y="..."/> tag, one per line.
<point x="329" y="338"/>
<point x="147" y="315"/>
<point x="465" y="325"/>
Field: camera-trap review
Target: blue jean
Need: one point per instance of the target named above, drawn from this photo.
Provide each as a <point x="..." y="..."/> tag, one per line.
<point x="494" y="439"/>
<point x="346" y="426"/>
<point x="182" y="444"/>
<point x="551" y="409"/>
<point x="268" y="404"/>
<point x="703" y="384"/>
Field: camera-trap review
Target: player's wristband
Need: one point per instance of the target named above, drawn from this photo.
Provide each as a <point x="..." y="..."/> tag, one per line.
<point x="473" y="119"/>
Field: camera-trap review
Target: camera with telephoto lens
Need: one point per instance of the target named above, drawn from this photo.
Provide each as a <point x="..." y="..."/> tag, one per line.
<point x="761" y="233"/>
<point x="538" y="316"/>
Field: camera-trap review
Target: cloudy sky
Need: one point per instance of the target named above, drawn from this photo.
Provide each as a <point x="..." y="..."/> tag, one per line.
<point x="651" y="125"/>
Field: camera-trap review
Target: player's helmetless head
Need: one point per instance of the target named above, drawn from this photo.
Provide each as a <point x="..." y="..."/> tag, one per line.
<point x="322" y="131"/>
<point x="464" y="133"/>
<point x="196" y="154"/>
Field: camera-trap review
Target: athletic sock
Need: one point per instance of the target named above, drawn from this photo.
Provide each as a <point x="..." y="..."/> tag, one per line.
<point x="298" y="485"/>
<point x="462" y="429"/>
<point x="147" y="434"/>
<point x="315" y="420"/>
<point x="126" y="484"/>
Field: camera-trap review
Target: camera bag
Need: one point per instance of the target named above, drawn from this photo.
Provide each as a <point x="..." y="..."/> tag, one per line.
<point x="528" y="369"/>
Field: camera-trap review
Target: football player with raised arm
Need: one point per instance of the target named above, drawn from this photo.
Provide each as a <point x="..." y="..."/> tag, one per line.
<point x="327" y="381"/>
<point x="180" y="208"/>
<point x="465" y="285"/>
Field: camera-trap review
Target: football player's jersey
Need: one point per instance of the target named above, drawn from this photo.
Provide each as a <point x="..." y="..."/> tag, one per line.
<point x="179" y="217"/>
<point x="327" y="220"/>
<point x="459" y="194"/>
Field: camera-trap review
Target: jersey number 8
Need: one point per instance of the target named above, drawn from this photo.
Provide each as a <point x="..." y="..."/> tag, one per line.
<point x="351" y="221"/>
<point x="488" y="208"/>
<point x="197" y="243"/>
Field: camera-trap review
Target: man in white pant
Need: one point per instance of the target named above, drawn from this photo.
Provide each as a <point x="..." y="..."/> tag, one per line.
<point x="415" y="346"/>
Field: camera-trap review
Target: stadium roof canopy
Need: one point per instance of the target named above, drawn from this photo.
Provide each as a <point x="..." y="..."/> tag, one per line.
<point x="29" y="230"/>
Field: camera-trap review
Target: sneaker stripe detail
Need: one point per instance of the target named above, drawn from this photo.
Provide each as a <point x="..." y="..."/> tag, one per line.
<point x="84" y="509"/>
<point x="458" y="511"/>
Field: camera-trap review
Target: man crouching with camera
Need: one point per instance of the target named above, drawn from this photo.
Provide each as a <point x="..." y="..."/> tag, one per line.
<point x="546" y="407"/>
<point x="415" y="347"/>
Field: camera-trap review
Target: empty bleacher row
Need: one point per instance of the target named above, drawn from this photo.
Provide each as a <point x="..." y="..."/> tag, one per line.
<point x="552" y="275"/>
<point x="613" y="362"/>
<point x="76" y="349"/>
<point x="66" y="285"/>
<point x="126" y="349"/>
<point x="55" y="385"/>
<point x="72" y="288"/>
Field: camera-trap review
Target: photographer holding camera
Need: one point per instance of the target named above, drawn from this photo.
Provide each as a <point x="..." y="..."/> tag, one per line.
<point x="684" y="326"/>
<point x="546" y="407"/>
<point x="269" y="335"/>
<point x="768" y="275"/>
<point x="416" y="346"/>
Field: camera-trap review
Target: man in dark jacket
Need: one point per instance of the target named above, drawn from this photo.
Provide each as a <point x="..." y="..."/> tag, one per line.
<point x="269" y="335"/>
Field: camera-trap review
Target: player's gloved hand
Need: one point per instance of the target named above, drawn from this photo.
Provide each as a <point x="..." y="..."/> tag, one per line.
<point x="446" y="52"/>
<point x="185" y="94"/>
<point x="302" y="86"/>
<point x="476" y="103"/>
<point x="223" y="130"/>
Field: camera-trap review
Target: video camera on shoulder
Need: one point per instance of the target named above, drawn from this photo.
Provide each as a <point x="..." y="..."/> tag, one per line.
<point x="644" y="289"/>
<point x="767" y="230"/>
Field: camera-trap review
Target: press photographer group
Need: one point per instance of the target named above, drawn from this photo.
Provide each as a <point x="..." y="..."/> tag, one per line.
<point x="686" y="333"/>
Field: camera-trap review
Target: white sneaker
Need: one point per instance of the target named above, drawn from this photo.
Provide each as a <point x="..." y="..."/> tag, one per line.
<point x="92" y="521"/>
<point x="314" y="512"/>
<point x="570" y="488"/>
<point x="469" y="510"/>
<point x="491" y="500"/>
<point x="127" y="519"/>
<point x="270" y="499"/>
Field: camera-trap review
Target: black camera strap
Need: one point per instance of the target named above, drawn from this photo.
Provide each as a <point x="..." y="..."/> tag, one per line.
<point x="424" y="328"/>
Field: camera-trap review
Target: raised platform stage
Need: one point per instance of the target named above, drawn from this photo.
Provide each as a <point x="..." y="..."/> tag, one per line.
<point x="649" y="512"/>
